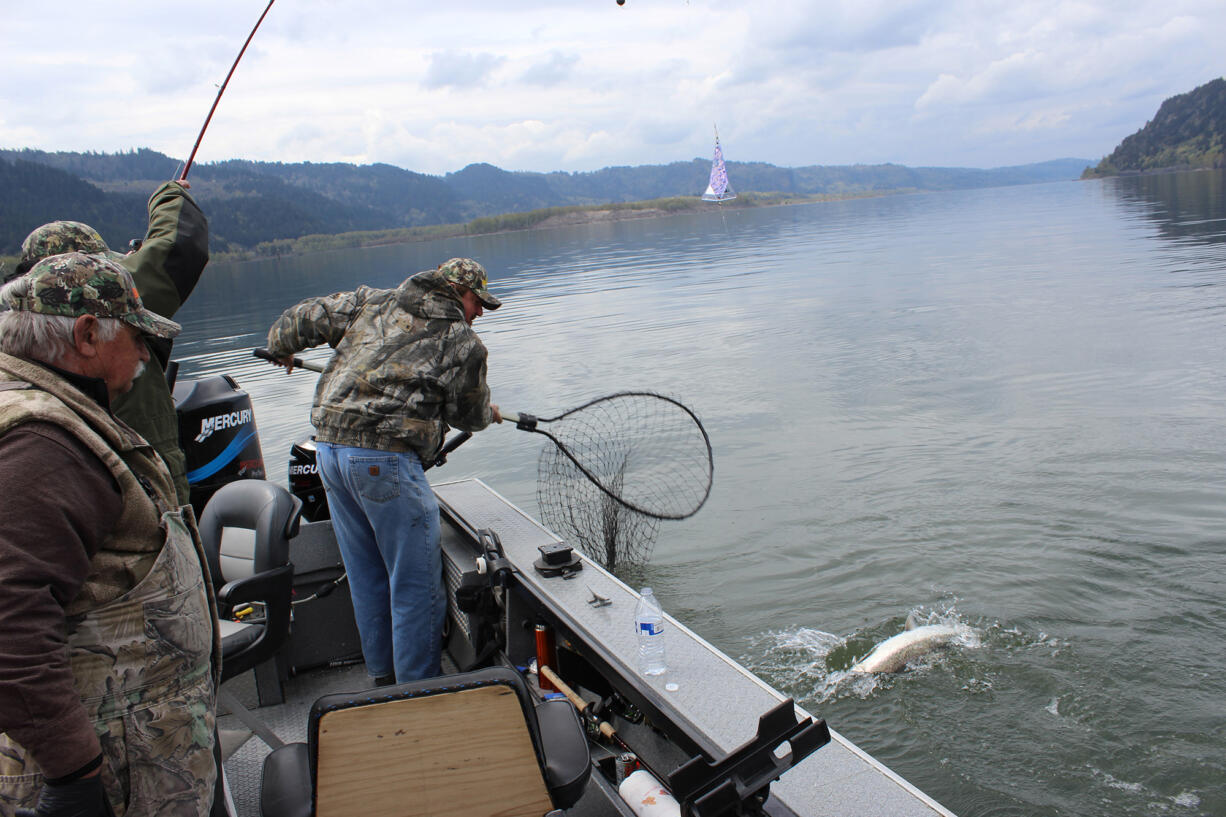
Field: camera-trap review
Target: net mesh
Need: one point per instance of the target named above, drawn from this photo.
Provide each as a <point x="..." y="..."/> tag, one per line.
<point x="621" y="464"/>
<point x="587" y="518"/>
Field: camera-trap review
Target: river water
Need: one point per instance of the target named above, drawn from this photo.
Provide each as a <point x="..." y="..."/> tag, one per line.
<point x="1000" y="408"/>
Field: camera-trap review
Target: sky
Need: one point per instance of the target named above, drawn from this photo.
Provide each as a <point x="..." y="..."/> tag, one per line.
<point x="578" y="85"/>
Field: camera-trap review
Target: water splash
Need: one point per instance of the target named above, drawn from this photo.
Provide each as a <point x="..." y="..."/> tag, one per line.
<point x="815" y="665"/>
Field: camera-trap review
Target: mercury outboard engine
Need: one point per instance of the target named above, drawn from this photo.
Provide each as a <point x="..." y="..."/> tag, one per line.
<point x="304" y="481"/>
<point x="217" y="434"/>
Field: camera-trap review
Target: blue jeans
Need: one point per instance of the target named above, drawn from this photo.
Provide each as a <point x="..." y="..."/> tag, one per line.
<point x="387" y="526"/>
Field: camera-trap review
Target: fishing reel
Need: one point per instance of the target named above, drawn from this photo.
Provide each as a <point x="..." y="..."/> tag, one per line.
<point x="481" y="589"/>
<point x="493" y="561"/>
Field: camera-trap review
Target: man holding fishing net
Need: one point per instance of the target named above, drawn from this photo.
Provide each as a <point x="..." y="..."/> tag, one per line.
<point x="408" y="366"/>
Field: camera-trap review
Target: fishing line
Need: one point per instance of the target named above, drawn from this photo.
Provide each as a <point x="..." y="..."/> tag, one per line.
<point x="188" y="164"/>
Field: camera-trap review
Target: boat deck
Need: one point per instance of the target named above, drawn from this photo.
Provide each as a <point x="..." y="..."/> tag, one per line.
<point x="716" y="699"/>
<point x="288" y="722"/>
<point x="715" y="695"/>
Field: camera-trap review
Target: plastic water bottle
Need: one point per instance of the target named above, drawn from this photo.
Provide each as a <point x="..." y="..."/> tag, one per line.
<point x="649" y="624"/>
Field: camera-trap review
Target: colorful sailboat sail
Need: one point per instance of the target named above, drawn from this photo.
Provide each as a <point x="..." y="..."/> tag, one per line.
<point x="718" y="188"/>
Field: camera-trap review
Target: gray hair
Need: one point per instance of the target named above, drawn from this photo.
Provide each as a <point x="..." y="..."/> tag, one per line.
<point x="48" y="338"/>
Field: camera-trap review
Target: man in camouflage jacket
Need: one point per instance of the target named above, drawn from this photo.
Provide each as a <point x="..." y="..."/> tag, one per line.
<point x="407" y="367"/>
<point x="110" y="653"/>
<point x="165" y="267"/>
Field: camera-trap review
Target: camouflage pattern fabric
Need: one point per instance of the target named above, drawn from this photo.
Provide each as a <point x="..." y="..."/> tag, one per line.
<point x="142" y="644"/>
<point x="171" y="258"/>
<point x="75" y="283"/>
<point x="406" y="366"/>
<point x="60" y="237"/>
<point x="142" y="664"/>
<point x="467" y="272"/>
<point x="166" y="268"/>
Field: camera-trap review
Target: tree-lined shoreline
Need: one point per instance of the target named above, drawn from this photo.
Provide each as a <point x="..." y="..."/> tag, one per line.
<point x="543" y="219"/>
<point x="252" y="204"/>
<point x="1187" y="133"/>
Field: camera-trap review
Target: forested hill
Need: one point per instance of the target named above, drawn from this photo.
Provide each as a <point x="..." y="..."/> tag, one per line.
<point x="252" y="202"/>
<point x="1189" y="131"/>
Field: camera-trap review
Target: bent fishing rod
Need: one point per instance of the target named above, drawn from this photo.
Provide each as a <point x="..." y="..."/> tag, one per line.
<point x="188" y="164"/>
<point x="647" y="452"/>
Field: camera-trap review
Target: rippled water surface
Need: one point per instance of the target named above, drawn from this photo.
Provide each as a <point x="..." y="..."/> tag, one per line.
<point x="1003" y="408"/>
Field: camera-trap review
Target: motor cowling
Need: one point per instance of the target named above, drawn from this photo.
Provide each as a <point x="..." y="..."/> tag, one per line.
<point x="304" y="480"/>
<point x="218" y="435"/>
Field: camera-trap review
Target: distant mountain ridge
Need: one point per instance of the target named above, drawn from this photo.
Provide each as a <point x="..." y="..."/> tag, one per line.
<point x="1189" y="131"/>
<point x="252" y="202"/>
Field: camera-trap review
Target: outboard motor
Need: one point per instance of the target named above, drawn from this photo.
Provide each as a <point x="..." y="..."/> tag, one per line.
<point x="217" y="434"/>
<point x="304" y="481"/>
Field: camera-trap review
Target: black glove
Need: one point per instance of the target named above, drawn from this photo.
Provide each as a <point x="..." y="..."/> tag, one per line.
<point x="83" y="797"/>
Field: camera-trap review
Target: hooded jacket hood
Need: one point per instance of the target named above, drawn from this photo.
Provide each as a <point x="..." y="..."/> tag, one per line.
<point x="429" y="295"/>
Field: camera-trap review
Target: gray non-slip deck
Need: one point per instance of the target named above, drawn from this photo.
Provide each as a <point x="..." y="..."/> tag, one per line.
<point x="713" y="693"/>
<point x="288" y="721"/>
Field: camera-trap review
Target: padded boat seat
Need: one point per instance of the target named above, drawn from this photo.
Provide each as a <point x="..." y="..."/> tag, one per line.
<point x="246" y="528"/>
<point x="236" y="636"/>
<point x="464" y="745"/>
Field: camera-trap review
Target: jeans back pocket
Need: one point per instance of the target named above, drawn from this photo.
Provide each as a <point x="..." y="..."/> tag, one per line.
<point x="376" y="478"/>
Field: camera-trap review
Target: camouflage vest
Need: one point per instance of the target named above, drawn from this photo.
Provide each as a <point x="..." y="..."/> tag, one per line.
<point x="142" y="644"/>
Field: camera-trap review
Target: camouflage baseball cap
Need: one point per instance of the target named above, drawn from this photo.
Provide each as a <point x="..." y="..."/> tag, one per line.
<point x="59" y="237"/>
<point x="467" y="272"/>
<point x="76" y="283"/>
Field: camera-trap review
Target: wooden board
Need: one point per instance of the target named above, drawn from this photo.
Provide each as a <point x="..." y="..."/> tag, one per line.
<point x="461" y="754"/>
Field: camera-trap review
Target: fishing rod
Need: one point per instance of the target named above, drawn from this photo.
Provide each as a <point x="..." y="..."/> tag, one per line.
<point x="585" y="709"/>
<point x="188" y="164"/>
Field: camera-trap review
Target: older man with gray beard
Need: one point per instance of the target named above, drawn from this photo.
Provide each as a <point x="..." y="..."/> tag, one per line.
<point x="109" y="657"/>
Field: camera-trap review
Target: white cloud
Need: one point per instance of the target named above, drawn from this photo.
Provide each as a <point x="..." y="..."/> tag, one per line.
<point x="558" y="84"/>
<point x="553" y="70"/>
<point x="451" y="70"/>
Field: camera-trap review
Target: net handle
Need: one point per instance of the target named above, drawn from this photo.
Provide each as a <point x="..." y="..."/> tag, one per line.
<point x="528" y="422"/>
<point x="311" y="366"/>
<point x="299" y="363"/>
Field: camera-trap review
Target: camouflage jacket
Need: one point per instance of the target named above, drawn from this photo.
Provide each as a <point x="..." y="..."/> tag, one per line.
<point x="126" y="633"/>
<point x="165" y="270"/>
<point x="406" y="366"/>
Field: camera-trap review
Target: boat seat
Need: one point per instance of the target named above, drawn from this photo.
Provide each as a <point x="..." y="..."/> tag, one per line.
<point x="246" y="528"/>
<point x="464" y="745"/>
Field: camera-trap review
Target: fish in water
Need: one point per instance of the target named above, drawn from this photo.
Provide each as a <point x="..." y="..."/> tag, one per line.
<point x="893" y="654"/>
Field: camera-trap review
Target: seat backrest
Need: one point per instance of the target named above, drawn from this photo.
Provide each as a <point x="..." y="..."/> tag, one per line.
<point x="246" y="527"/>
<point x="457" y="745"/>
